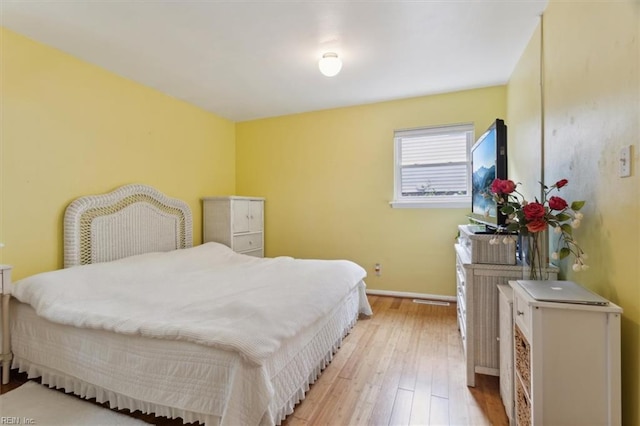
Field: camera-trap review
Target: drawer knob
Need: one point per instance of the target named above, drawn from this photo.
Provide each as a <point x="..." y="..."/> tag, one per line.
<point x="519" y="313"/>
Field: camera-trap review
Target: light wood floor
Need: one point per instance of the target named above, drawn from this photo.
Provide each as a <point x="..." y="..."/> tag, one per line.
<point x="403" y="366"/>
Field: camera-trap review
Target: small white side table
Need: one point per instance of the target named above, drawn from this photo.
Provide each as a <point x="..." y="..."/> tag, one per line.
<point x="5" y="281"/>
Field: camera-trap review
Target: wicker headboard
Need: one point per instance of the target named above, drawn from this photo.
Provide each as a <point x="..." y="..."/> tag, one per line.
<point x="133" y="219"/>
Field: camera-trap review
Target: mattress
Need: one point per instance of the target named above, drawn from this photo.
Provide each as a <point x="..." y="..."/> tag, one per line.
<point x="176" y="378"/>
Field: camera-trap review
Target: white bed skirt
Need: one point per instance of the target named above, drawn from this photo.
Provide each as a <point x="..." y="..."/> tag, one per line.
<point x="177" y="378"/>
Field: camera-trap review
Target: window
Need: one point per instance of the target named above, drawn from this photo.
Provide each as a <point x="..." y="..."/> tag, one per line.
<point x="432" y="166"/>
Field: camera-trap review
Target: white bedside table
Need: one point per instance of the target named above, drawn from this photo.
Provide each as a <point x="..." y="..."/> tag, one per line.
<point x="5" y="356"/>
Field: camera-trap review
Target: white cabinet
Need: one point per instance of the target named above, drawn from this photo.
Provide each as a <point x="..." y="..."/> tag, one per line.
<point x="5" y="356"/>
<point x="567" y="362"/>
<point x="477" y="298"/>
<point x="237" y="222"/>
<point x="505" y="303"/>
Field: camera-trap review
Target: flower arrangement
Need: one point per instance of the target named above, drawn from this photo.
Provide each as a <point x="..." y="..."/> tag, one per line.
<point x="530" y="218"/>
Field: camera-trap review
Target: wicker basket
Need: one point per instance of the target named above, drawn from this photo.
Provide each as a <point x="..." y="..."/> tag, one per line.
<point x="480" y="251"/>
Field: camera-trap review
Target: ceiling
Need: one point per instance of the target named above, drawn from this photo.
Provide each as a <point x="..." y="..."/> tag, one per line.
<point x="244" y="60"/>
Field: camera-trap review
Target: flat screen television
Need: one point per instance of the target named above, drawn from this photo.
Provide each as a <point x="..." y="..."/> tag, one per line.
<point x="488" y="162"/>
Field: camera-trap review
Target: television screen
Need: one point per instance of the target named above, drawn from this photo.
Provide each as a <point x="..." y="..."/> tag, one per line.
<point x="488" y="162"/>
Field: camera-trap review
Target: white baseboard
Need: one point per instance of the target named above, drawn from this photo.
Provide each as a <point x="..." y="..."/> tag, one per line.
<point x="411" y="295"/>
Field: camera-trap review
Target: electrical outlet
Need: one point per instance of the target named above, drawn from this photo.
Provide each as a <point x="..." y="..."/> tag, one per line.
<point x="378" y="269"/>
<point x="625" y="161"/>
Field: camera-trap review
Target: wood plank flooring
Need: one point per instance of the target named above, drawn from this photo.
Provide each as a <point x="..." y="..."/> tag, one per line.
<point x="403" y="366"/>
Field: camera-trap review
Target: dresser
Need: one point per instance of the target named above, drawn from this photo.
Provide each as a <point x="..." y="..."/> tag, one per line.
<point x="237" y="222"/>
<point x="5" y="356"/>
<point x="477" y="281"/>
<point x="567" y="362"/>
<point x="505" y="303"/>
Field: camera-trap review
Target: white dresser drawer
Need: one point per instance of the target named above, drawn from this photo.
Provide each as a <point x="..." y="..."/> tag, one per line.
<point x="523" y="314"/>
<point x="247" y="242"/>
<point x="463" y="327"/>
<point x="462" y="276"/>
<point x="254" y="253"/>
<point x="461" y="299"/>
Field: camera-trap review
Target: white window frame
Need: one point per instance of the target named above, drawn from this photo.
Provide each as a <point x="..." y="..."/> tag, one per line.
<point x="431" y="201"/>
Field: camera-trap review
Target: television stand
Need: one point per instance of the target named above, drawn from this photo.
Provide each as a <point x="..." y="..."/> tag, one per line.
<point x="480" y="268"/>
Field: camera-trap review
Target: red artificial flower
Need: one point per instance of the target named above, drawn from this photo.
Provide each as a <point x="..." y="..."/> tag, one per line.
<point x="561" y="183"/>
<point x="508" y="186"/>
<point x="500" y="186"/>
<point x="557" y="203"/>
<point x="537" y="225"/>
<point x="496" y="186"/>
<point x="533" y="211"/>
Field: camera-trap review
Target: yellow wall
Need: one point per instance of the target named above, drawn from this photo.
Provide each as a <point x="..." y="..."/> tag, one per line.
<point x="328" y="179"/>
<point x="523" y="118"/>
<point x="69" y="128"/>
<point x="591" y="54"/>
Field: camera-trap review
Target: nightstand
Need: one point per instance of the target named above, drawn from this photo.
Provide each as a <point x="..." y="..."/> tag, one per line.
<point x="5" y="356"/>
<point x="566" y="362"/>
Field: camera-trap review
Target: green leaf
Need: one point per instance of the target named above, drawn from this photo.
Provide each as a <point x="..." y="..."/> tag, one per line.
<point x="561" y="217"/>
<point x="564" y="252"/>
<point x="513" y="227"/>
<point x="577" y="205"/>
<point x="507" y="209"/>
<point x="566" y="228"/>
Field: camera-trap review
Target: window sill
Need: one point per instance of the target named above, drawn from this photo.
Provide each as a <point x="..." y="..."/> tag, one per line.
<point x="431" y="204"/>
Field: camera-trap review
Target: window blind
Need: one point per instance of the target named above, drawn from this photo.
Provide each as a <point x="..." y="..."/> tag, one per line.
<point x="433" y="163"/>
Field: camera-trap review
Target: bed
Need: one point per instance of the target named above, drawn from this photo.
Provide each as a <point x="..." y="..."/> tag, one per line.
<point x="143" y="320"/>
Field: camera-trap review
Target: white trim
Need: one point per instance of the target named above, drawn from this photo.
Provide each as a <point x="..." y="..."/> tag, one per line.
<point x="433" y="201"/>
<point x="432" y="204"/>
<point x="435" y="130"/>
<point x="411" y="295"/>
<point x="487" y="371"/>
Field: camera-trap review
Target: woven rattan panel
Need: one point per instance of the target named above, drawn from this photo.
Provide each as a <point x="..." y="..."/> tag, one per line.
<point x="133" y="219"/>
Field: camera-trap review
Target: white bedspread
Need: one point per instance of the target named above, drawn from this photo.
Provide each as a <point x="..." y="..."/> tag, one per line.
<point x="207" y="294"/>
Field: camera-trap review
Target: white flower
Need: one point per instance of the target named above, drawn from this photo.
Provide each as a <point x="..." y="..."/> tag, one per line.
<point x="578" y="215"/>
<point x="1" y="245"/>
<point x="557" y="230"/>
<point x="584" y="267"/>
<point x="575" y="224"/>
<point x="577" y="267"/>
<point x="555" y="255"/>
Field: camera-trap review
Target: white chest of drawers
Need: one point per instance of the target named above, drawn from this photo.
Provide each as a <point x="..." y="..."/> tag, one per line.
<point x="237" y="222"/>
<point x="567" y="362"/>
<point x="477" y="299"/>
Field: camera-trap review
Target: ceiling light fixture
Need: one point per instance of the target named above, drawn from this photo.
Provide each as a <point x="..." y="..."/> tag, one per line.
<point x="330" y="64"/>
